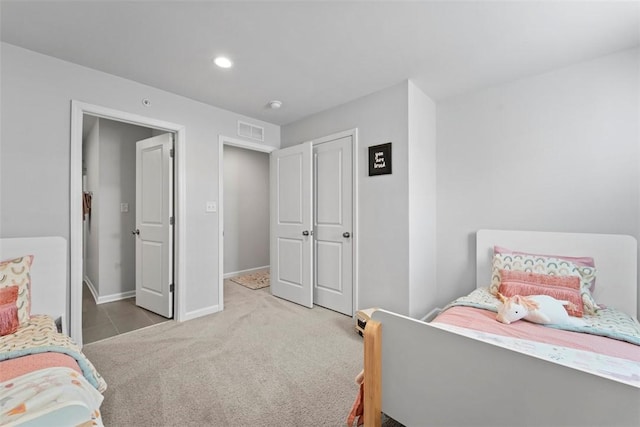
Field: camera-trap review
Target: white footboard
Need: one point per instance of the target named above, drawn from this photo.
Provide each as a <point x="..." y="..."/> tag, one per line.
<point x="434" y="377"/>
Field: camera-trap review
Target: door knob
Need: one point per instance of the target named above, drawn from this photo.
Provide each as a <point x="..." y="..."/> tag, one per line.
<point x="346" y="234"/>
<point x="305" y="233"/>
<point x="136" y="232"/>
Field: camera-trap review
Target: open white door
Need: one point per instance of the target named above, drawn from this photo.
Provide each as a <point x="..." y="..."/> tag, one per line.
<point x="291" y="224"/>
<point x="333" y="204"/>
<point x="154" y="229"/>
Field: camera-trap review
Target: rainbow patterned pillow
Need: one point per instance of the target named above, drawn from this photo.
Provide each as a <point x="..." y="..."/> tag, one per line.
<point x="17" y="272"/>
<point x="545" y="265"/>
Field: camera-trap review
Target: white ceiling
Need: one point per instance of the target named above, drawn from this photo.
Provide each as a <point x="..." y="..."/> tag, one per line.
<point x="316" y="55"/>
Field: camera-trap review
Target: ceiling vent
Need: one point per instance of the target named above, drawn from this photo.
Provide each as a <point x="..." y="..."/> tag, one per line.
<point x="248" y="130"/>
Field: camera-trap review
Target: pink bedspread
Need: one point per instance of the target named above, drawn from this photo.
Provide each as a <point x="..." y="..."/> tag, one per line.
<point x="13" y="368"/>
<point x="484" y="320"/>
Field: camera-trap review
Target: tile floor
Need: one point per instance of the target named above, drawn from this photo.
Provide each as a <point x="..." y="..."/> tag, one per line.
<point x="113" y="318"/>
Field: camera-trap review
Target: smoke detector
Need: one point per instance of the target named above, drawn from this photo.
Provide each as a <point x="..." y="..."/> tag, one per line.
<point x="274" y="105"/>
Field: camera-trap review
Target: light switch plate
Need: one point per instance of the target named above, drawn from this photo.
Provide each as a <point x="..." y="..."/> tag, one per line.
<point x="124" y="207"/>
<point x="211" y="207"/>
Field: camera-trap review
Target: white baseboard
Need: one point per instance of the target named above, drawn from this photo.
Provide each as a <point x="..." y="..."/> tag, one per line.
<point x="201" y="312"/>
<point x="92" y="289"/>
<point x="241" y="272"/>
<point x="116" y="297"/>
<point x="107" y="298"/>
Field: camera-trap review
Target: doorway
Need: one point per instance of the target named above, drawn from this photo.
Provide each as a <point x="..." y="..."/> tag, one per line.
<point x="243" y="211"/>
<point x="115" y="296"/>
<point x="329" y="282"/>
<point x="78" y="110"/>
<point x="246" y="213"/>
<point x="314" y="223"/>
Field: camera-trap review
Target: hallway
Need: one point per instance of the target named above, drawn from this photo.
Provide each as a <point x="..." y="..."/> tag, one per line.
<point x="113" y="318"/>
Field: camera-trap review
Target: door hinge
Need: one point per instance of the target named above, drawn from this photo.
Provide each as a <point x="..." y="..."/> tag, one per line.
<point x="171" y="220"/>
<point x="171" y="287"/>
<point x="171" y="152"/>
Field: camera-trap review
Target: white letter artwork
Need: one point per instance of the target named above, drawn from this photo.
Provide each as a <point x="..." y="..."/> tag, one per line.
<point x="378" y="161"/>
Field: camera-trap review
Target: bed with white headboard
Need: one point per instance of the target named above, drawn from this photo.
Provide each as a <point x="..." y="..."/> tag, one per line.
<point x="45" y="379"/>
<point x="615" y="255"/>
<point x="48" y="272"/>
<point x="422" y="373"/>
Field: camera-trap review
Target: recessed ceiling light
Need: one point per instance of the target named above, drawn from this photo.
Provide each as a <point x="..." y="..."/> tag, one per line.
<point x="223" y="62"/>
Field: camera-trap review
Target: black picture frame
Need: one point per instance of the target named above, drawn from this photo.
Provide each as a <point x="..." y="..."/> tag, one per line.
<point x="380" y="159"/>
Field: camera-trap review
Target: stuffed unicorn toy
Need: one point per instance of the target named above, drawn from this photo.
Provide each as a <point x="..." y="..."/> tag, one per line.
<point x="541" y="309"/>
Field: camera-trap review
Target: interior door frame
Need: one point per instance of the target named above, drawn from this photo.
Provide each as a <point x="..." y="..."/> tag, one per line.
<point x="78" y="110"/>
<point x="222" y="141"/>
<point x="353" y="133"/>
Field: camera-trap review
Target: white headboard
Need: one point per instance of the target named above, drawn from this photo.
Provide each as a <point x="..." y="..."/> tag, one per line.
<point x="48" y="271"/>
<point x="615" y="258"/>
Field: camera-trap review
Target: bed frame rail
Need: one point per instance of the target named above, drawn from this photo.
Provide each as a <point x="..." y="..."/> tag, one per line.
<point x="372" y="374"/>
<point x="434" y="377"/>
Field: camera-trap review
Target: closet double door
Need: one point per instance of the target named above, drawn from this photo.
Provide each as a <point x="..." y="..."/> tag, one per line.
<point x="312" y="224"/>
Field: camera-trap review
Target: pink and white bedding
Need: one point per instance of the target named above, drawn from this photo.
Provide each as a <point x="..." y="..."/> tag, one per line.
<point x="45" y="377"/>
<point x="13" y="368"/>
<point x="615" y="368"/>
<point x="606" y="322"/>
<point x="40" y="336"/>
<point x="608" y="348"/>
<point x="51" y="396"/>
<point x="485" y="321"/>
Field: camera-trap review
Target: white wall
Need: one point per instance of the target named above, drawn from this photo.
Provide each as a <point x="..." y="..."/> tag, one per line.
<point x="246" y="209"/>
<point x="109" y="154"/>
<point x="38" y="89"/>
<point x="555" y="152"/>
<point x="383" y="211"/>
<point x="422" y="202"/>
<point x="118" y="185"/>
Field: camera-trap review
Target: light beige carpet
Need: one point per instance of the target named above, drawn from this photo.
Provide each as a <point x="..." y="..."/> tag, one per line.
<point x="257" y="280"/>
<point x="262" y="361"/>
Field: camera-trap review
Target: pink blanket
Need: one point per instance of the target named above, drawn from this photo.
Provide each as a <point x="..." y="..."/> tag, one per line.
<point x="484" y="320"/>
<point x="13" y="368"/>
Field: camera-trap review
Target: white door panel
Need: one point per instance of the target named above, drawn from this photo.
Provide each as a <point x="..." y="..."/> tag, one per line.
<point x="329" y="257"/>
<point x="290" y="189"/>
<point x="290" y="219"/>
<point x="154" y="209"/>
<point x="333" y="227"/>
<point x="329" y="192"/>
<point x="290" y="252"/>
